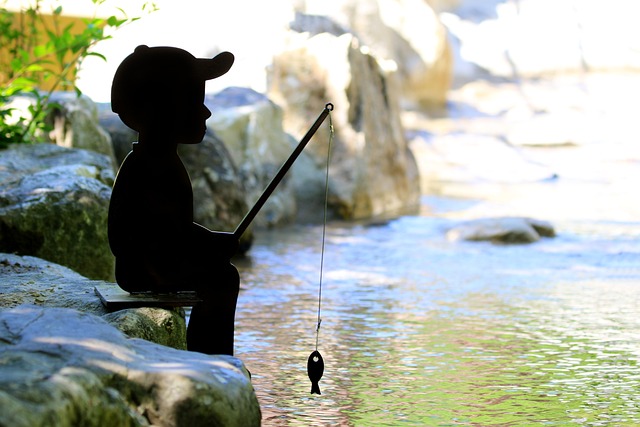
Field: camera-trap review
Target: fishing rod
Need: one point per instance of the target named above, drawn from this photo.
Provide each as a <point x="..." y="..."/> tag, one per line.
<point x="250" y="216"/>
<point x="315" y="362"/>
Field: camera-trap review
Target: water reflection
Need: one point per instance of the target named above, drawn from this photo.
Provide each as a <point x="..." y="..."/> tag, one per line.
<point x="420" y="331"/>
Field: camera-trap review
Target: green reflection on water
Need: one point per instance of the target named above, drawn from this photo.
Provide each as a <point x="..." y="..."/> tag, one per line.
<point x="497" y="370"/>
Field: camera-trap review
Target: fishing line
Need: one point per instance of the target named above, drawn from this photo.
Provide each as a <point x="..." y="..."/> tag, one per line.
<point x="324" y="228"/>
<point x="315" y="363"/>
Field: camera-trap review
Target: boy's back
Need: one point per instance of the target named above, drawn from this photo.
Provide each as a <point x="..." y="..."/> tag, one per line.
<point x="150" y="217"/>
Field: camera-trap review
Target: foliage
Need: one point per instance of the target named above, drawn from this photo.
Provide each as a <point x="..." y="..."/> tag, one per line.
<point x="40" y="50"/>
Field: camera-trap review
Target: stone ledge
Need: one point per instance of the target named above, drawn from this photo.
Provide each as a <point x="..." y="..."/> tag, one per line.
<point x="63" y="367"/>
<point x="31" y="280"/>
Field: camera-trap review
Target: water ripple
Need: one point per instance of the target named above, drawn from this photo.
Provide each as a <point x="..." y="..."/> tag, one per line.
<point x="420" y="331"/>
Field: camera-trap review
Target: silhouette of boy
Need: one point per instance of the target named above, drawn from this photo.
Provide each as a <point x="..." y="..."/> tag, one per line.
<point x="159" y="92"/>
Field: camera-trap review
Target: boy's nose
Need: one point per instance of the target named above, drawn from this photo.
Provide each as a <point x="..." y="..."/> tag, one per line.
<point x="207" y="112"/>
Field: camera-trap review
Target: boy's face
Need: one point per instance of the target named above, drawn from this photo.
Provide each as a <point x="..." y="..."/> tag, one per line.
<point x="191" y="115"/>
<point x="185" y="122"/>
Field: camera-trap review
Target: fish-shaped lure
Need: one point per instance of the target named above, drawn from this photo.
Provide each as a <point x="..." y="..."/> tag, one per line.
<point x="315" y="369"/>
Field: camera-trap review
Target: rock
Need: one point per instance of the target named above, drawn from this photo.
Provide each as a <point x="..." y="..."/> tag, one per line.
<point x="409" y="33"/>
<point x="62" y="367"/>
<point x="502" y="230"/>
<point x="166" y="327"/>
<point x="75" y="124"/>
<point x="54" y="204"/>
<point x="251" y="127"/>
<point x="24" y="159"/>
<point x="543" y="228"/>
<point x="30" y="280"/>
<point x="373" y="172"/>
<point x="444" y="5"/>
<point x="121" y="135"/>
<point x="537" y="37"/>
<point x="316" y="24"/>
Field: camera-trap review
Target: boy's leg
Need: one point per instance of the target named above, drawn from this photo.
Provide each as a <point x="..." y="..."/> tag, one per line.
<point x="212" y="322"/>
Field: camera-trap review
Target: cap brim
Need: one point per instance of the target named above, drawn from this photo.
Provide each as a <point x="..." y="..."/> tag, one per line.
<point x="216" y="66"/>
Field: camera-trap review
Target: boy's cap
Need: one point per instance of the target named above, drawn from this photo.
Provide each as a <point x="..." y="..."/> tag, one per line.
<point x="152" y="65"/>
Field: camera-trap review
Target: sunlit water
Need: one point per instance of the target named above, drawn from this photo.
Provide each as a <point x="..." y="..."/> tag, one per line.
<point x="420" y="331"/>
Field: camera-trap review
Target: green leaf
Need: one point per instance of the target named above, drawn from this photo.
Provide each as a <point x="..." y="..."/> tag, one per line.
<point x="41" y="50"/>
<point x="52" y="36"/>
<point x="99" y="55"/>
<point x="34" y="68"/>
<point x="25" y="56"/>
<point x="22" y="84"/>
<point x="16" y="64"/>
<point x="113" y="21"/>
<point x="123" y="12"/>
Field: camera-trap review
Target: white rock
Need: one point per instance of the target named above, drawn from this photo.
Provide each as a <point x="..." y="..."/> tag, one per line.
<point x="372" y="170"/>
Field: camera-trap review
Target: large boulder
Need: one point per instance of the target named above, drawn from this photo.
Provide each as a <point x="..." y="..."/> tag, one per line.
<point x="121" y="135"/>
<point x="75" y="124"/>
<point x="251" y="127"/>
<point x="31" y="280"/>
<point x="63" y="367"/>
<point x="373" y="172"/>
<point x="54" y="205"/>
<point x="407" y="32"/>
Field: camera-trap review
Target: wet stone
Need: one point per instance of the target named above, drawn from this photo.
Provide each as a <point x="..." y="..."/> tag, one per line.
<point x="511" y="230"/>
<point x="64" y="367"/>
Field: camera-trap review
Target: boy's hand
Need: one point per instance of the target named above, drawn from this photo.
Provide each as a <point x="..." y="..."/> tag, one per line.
<point x="224" y="243"/>
<point x="220" y="243"/>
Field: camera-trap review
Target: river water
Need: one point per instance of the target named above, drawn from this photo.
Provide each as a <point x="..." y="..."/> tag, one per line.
<point x="418" y="330"/>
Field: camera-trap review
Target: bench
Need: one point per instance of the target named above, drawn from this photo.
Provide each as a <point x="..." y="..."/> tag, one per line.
<point x="114" y="298"/>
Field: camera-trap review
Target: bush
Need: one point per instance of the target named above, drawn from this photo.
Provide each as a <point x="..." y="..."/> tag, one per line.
<point x="42" y="50"/>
